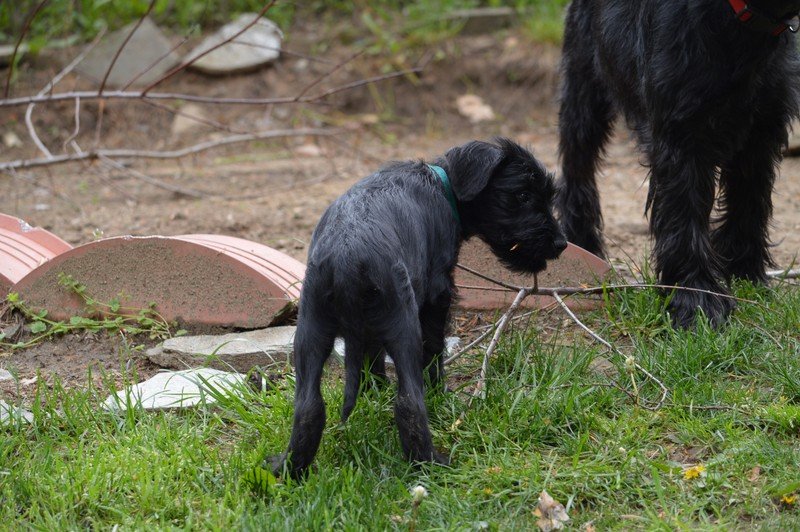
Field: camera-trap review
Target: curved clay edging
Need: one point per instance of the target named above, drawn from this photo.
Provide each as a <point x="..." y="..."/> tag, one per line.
<point x="575" y="267"/>
<point x="198" y="280"/>
<point x="23" y="248"/>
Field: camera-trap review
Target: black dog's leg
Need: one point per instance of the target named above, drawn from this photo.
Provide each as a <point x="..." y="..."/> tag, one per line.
<point x="357" y="353"/>
<point x="742" y="239"/>
<point x="681" y="196"/>
<point x="312" y="345"/>
<point x="354" y="370"/>
<point x="585" y="121"/>
<point x="410" y="412"/>
<point x="433" y="319"/>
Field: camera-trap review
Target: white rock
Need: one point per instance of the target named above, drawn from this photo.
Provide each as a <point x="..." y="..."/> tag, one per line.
<point x="11" y="139"/>
<point x="177" y="389"/>
<point x="6" y="375"/>
<point x="257" y="46"/>
<point x="474" y="108"/>
<point x="10" y="414"/>
<point x="240" y="351"/>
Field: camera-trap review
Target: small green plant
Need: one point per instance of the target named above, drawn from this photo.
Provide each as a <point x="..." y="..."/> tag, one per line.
<point x="111" y="317"/>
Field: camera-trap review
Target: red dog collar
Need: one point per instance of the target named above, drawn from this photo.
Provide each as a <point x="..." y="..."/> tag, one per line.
<point x="746" y="14"/>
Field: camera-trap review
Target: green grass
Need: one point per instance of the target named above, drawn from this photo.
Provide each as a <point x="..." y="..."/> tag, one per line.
<point x="548" y="422"/>
<point x="389" y="25"/>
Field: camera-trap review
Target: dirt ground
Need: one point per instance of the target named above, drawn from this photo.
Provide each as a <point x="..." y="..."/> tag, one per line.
<point x="274" y="191"/>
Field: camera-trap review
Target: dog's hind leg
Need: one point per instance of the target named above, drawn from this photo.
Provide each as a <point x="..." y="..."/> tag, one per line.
<point x="742" y="238"/>
<point x="312" y="345"/>
<point x="402" y="336"/>
<point x="585" y="120"/>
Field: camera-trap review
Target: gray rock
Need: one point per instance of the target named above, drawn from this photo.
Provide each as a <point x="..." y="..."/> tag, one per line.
<point x="11" y="414"/>
<point x="257" y="46"/>
<point x="7" y="52"/>
<point x="238" y="351"/>
<point x="177" y="389"/>
<point x="484" y="19"/>
<point x="147" y="48"/>
<point x="6" y="375"/>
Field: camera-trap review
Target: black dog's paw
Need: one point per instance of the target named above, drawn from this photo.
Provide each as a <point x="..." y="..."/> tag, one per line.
<point x="277" y="464"/>
<point x="441" y="459"/>
<point x="686" y="305"/>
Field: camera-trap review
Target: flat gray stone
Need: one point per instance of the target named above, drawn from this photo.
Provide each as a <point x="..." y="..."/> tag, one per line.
<point x="7" y="52"/>
<point x="6" y="375"/>
<point x="177" y="389"/>
<point x="256" y="47"/>
<point x="10" y="414"/>
<point x="147" y="48"/>
<point x="236" y="351"/>
<point x="484" y="19"/>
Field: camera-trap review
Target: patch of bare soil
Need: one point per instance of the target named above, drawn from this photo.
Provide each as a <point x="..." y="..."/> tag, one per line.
<point x="274" y="192"/>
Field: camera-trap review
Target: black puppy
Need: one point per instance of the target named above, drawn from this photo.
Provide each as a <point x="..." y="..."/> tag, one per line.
<point x="709" y="88"/>
<point x="380" y="274"/>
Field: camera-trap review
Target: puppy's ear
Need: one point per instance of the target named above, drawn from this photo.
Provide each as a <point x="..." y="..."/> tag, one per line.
<point x="471" y="166"/>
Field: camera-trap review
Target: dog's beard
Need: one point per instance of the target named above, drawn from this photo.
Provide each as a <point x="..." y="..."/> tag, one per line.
<point x="520" y="257"/>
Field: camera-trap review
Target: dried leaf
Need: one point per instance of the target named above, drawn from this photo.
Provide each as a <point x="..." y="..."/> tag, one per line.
<point x="754" y="475"/>
<point x="550" y="512"/>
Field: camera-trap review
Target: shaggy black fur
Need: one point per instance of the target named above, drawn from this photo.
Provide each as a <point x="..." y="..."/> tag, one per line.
<point x="380" y="274"/>
<point x="710" y="99"/>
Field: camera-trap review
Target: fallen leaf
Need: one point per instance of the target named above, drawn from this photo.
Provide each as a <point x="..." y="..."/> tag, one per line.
<point x="789" y="500"/>
<point x="550" y="512"/>
<point x="754" y="475"/>
<point x="474" y="108"/>
<point x="28" y="382"/>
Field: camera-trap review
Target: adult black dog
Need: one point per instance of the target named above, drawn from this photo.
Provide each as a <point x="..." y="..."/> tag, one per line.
<point x="709" y="88"/>
<point x="380" y="274"/>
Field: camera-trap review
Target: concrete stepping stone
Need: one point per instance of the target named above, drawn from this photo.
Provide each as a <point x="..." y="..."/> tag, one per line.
<point x="197" y="280"/>
<point x="575" y="267"/>
<point x="23" y="248"/>
<point x="256" y="47"/>
<point x="148" y="48"/>
<point x="484" y="19"/>
<point x="11" y="414"/>
<point x="7" y="52"/>
<point x="240" y="351"/>
<point x="177" y="389"/>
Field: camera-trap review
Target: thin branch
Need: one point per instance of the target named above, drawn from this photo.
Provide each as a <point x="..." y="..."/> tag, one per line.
<point x="327" y="74"/>
<point x="175" y="154"/>
<point x="77" y="129"/>
<point x="138" y="95"/>
<point x="49" y="88"/>
<point x="154" y="63"/>
<point x="501" y="326"/>
<point x="122" y="47"/>
<point x="22" y="34"/>
<point x="664" y="390"/>
<point x="186" y="64"/>
<point x="784" y="274"/>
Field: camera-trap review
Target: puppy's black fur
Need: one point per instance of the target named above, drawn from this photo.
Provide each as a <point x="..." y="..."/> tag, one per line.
<point x="710" y="98"/>
<point x="380" y="274"/>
